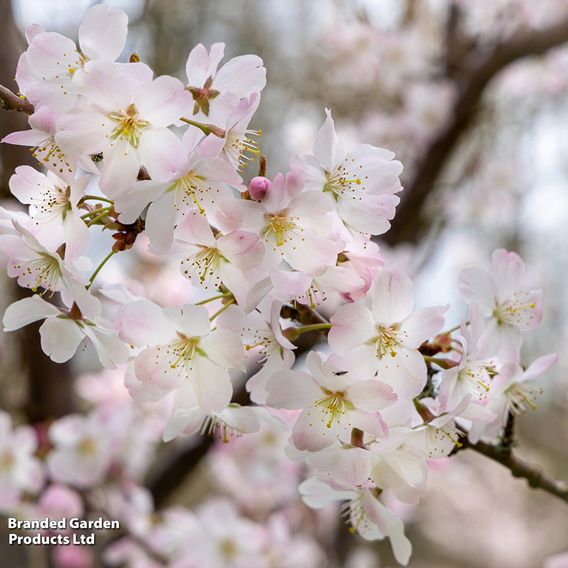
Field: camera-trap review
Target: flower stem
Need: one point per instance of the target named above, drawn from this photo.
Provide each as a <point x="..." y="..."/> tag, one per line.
<point x="220" y="311"/>
<point x="205" y="128"/>
<point x="102" y="214"/>
<point x="99" y="267"/>
<point x="97" y="198"/>
<point x="292" y="333"/>
<point x="218" y="297"/>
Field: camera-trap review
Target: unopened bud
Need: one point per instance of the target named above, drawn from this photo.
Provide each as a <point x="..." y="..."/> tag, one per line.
<point x="258" y="187"/>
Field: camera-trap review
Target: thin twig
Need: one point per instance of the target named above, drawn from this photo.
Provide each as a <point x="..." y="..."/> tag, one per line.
<point x="11" y="101"/>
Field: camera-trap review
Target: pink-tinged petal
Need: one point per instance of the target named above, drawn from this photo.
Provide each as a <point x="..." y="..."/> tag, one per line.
<point x="76" y="235"/>
<point x="195" y="229"/>
<point x="422" y="324"/>
<point x="256" y="385"/>
<point x="25" y="138"/>
<point x="192" y="321"/>
<point x="540" y="366"/>
<point x="161" y="151"/>
<point x="245" y="250"/>
<point x="372" y="423"/>
<point x="476" y="285"/>
<point x="32" y="31"/>
<point x="121" y="167"/>
<point x="110" y="87"/>
<point x="160" y="222"/>
<point x="317" y="494"/>
<point x="326" y="146"/>
<point x="309" y="252"/>
<point x="50" y="54"/>
<point x="241" y="75"/>
<point x="224" y="348"/>
<point x="370" y="215"/>
<point x="186" y="416"/>
<point x="237" y="214"/>
<point x="102" y="33"/>
<point x="156" y="377"/>
<point x="349" y="467"/>
<point x="292" y="390"/>
<point x="89" y="305"/>
<point x="144" y="323"/>
<point x="392" y="296"/>
<point x="183" y="421"/>
<point x="290" y="285"/>
<point x="26" y="311"/>
<point x="352" y="325"/>
<point x="132" y="203"/>
<point x="26" y="183"/>
<point x="507" y="270"/>
<point x="212" y="385"/>
<point x="501" y="341"/>
<point x="83" y="132"/>
<point x="60" y="338"/>
<point x="163" y="101"/>
<point x="110" y="349"/>
<point x="314" y="430"/>
<point x="310" y="204"/>
<point x="389" y="525"/>
<point x="371" y="394"/>
<point x="405" y="372"/>
<point x="202" y="63"/>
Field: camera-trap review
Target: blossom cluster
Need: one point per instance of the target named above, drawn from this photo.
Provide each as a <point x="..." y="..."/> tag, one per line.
<point x="171" y="161"/>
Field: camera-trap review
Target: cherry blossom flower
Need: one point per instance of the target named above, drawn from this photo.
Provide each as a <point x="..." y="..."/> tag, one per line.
<point x="215" y="260"/>
<point x="126" y="118"/>
<point x="20" y="470"/>
<point x="264" y="341"/>
<point x="361" y="183"/>
<point x="63" y="330"/>
<point x="53" y="207"/>
<point x="81" y="454"/>
<point x="292" y="222"/>
<point x="382" y="333"/>
<point x="181" y="347"/>
<point x="45" y="71"/>
<point x="200" y="183"/>
<point x="367" y="514"/>
<point x="41" y="138"/>
<point x="512" y="392"/>
<point x="37" y="266"/>
<point x="215" y="91"/>
<point x="332" y="403"/>
<point x="507" y="308"/>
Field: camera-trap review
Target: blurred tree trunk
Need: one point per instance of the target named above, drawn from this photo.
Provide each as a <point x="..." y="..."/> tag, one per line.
<point x="50" y="386"/>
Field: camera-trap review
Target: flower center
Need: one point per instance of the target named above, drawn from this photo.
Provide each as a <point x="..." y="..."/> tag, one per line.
<point x="129" y="125"/>
<point x="206" y="264"/>
<point x="334" y="404"/>
<point x="521" y="397"/>
<point x="477" y="378"/>
<point x="241" y="148"/>
<point x="281" y="228"/>
<point x="341" y="183"/>
<point x="519" y="310"/>
<point x="193" y="188"/>
<point x="183" y="350"/>
<point x="386" y="341"/>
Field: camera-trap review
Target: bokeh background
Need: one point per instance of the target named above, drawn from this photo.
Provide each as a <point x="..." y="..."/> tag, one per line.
<point x="473" y="98"/>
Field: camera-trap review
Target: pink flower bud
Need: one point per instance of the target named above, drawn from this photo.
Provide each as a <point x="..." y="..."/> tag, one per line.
<point x="258" y="187"/>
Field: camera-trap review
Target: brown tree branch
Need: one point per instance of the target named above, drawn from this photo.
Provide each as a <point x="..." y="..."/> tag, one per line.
<point x="11" y="101"/>
<point x="533" y="474"/>
<point x="410" y="222"/>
